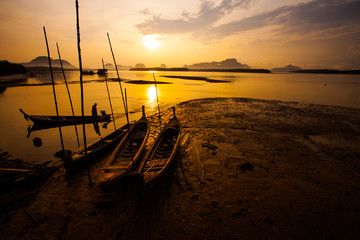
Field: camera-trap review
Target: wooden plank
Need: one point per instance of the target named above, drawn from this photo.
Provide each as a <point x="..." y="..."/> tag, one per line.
<point x="18" y="170"/>
<point x="114" y="168"/>
<point x="157" y="168"/>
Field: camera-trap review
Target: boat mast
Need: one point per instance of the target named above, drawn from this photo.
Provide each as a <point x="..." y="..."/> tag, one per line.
<point x="107" y="88"/>
<point x="117" y="72"/>
<point x="56" y="106"/>
<point x="68" y="91"/>
<point x="81" y="85"/>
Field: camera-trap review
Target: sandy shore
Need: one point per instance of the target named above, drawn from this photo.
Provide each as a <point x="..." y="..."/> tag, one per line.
<point x="252" y="169"/>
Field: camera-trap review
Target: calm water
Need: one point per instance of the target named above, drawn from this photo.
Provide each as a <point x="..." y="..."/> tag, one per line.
<point x="342" y="90"/>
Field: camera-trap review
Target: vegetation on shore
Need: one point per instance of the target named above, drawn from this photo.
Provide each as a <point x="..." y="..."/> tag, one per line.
<point x="7" y="68"/>
<point x="233" y="70"/>
<point x="202" y="70"/>
<point x="159" y="69"/>
<point x="328" y="71"/>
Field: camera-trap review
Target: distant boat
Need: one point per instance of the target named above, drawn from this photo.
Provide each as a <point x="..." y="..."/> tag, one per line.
<point x="126" y="154"/>
<point x="161" y="153"/>
<point x="48" y="121"/>
<point x="101" y="71"/>
<point x="86" y="72"/>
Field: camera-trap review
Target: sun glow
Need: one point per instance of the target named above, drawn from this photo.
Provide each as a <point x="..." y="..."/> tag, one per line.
<point x="151" y="93"/>
<point x="150" y="42"/>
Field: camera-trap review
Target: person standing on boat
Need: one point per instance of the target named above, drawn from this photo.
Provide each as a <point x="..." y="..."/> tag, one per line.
<point x="94" y="111"/>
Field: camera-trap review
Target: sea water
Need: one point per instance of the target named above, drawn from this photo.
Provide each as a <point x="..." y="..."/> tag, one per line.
<point x="36" y="98"/>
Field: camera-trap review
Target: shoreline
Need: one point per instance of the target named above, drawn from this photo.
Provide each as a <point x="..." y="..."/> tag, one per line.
<point x="274" y="169"/>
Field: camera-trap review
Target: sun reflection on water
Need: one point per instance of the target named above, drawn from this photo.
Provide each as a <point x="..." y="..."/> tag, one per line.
<point x="151" y="93"/>
<point x="152" y="101"/>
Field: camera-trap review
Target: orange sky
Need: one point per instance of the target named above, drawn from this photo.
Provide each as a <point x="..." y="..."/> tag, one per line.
<point x="260" y="33"/>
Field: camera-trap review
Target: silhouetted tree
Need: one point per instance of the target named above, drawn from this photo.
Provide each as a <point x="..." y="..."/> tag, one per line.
<point x="7" y="68"/>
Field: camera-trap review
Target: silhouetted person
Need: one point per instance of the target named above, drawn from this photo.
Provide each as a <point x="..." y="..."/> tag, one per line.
<point x="94" y="111"/>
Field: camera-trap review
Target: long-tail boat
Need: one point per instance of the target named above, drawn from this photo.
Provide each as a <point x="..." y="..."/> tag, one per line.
<point x="65" y="120"/>
<point x="126" y="154"/>
<point x="162" y="152"/>
<point x="77" y="158"/>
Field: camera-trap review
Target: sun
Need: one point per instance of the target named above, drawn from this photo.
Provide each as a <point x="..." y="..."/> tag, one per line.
<point x="150" y="42"/>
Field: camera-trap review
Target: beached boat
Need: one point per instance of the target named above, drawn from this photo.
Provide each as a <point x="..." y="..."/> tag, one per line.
<point x="77" y="158"/>
<point x="158" y="158"/>
<point x="65" y="120"/>
<point x="126" y="154"/>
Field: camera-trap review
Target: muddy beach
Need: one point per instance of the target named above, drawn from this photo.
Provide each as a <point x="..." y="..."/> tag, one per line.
<point x="252" y="169"/>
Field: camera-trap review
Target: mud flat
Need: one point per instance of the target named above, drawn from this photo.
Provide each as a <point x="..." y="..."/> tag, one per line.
<point x="252" y="169"/>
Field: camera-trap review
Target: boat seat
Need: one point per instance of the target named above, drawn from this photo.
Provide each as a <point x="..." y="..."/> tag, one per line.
<point x="114" y="169"/>
<point x="155" y="167"/>
<point x="152" y="169"/>
<point x="139" y="135"/>
<point x="162" y="155"/>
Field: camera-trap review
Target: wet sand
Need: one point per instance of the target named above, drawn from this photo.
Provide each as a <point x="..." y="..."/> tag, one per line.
<point x="252" y="169"/>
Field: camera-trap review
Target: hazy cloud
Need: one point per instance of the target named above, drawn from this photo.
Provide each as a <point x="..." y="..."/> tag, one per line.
<point x="207" y="16"/>
<point x="354" y="49"/>
<point x="318" y="17"/>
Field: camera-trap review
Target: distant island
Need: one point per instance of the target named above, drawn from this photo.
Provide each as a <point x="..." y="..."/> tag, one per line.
<point x="158" y="69"/>
<point x="288" y="68"/>
<point x="328" y="71"/>
<point x="202" y="70"/>
<point x="43" y="61"/>
<point x="230" y="63"/>
<point x="111" y="66"/>
<point x="7" y="68"/>
<point x="233" y="70"/>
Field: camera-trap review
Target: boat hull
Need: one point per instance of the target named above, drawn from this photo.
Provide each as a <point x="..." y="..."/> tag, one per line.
<point x="48" y="121"/>
<point x="162" y="152"/>
<point x="126" y="155"/>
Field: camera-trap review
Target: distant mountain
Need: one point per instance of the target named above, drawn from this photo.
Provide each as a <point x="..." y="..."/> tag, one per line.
<point x="109" y="66"/>
<point x="288" y="68"/>
<point x="140" y="65"/>
<point x="43" y="61"/>
<point x="230" y="63"/>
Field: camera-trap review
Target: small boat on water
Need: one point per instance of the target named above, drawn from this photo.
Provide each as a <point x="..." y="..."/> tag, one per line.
<point x="158" y="158"/>
<point x="101" y="72"/>
<point x="77" y="158"/>
<point x="65" y="120"/>
<point x="126" y="154"/>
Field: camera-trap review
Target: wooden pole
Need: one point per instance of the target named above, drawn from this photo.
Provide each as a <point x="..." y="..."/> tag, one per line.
<point x="129" y="132"/>
<point x="126" y="102"/>
<point x="56" y="106"/>
<point x="68" y="91"/>
<point x="107" y="88"/>
<point x="157" y="99"/>
<point x="117" y="72"/>
<point x="81" y="86"/>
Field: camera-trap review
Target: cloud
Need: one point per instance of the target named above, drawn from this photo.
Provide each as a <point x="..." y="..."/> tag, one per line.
<point x="319" y="18"/>
<point x="354" y="49"/>
<point x="207" y="16"/>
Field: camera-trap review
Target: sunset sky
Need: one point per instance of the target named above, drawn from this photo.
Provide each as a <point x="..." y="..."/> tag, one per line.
<point x="260" y="33"/>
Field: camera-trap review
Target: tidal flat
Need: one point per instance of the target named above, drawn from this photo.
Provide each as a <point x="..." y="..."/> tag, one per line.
<point x="251" y="169"/>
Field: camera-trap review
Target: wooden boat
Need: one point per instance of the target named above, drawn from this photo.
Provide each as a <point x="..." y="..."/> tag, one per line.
<point x="65" y="120"/>
<point x="126" y="154"/>
<point x="161" y="153"/>
<point x="101" y="72"/>
<point x="77" y="158"/>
